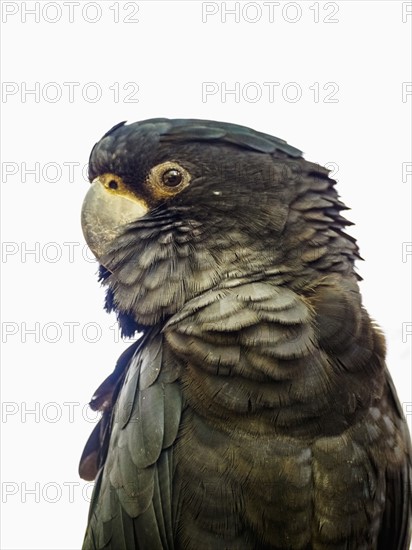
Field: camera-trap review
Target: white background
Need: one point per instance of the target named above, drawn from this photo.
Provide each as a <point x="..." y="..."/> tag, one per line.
<point x="169" y="53"/>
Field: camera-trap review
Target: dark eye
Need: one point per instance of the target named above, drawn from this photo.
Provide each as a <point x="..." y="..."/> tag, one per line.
<point x="113" y="184"/>
<point x="172" y="177"/>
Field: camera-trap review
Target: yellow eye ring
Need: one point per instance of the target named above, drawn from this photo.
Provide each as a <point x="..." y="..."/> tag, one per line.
<point x="167" y="179"/>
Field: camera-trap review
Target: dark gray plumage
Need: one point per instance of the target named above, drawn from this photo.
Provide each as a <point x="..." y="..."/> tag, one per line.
<point x="256" y="411"/>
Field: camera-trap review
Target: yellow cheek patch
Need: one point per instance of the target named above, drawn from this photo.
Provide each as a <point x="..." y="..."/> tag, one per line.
<point x="115" y="185"/>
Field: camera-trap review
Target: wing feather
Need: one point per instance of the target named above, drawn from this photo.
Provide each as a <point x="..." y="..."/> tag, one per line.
<point x="133" y="497"/>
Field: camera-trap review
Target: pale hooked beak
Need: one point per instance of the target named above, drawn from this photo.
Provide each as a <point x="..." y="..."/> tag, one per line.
<point x="106" y="211"/>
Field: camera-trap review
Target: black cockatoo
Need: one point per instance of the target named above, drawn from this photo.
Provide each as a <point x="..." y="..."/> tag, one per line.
<point x="256" y="410"/>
